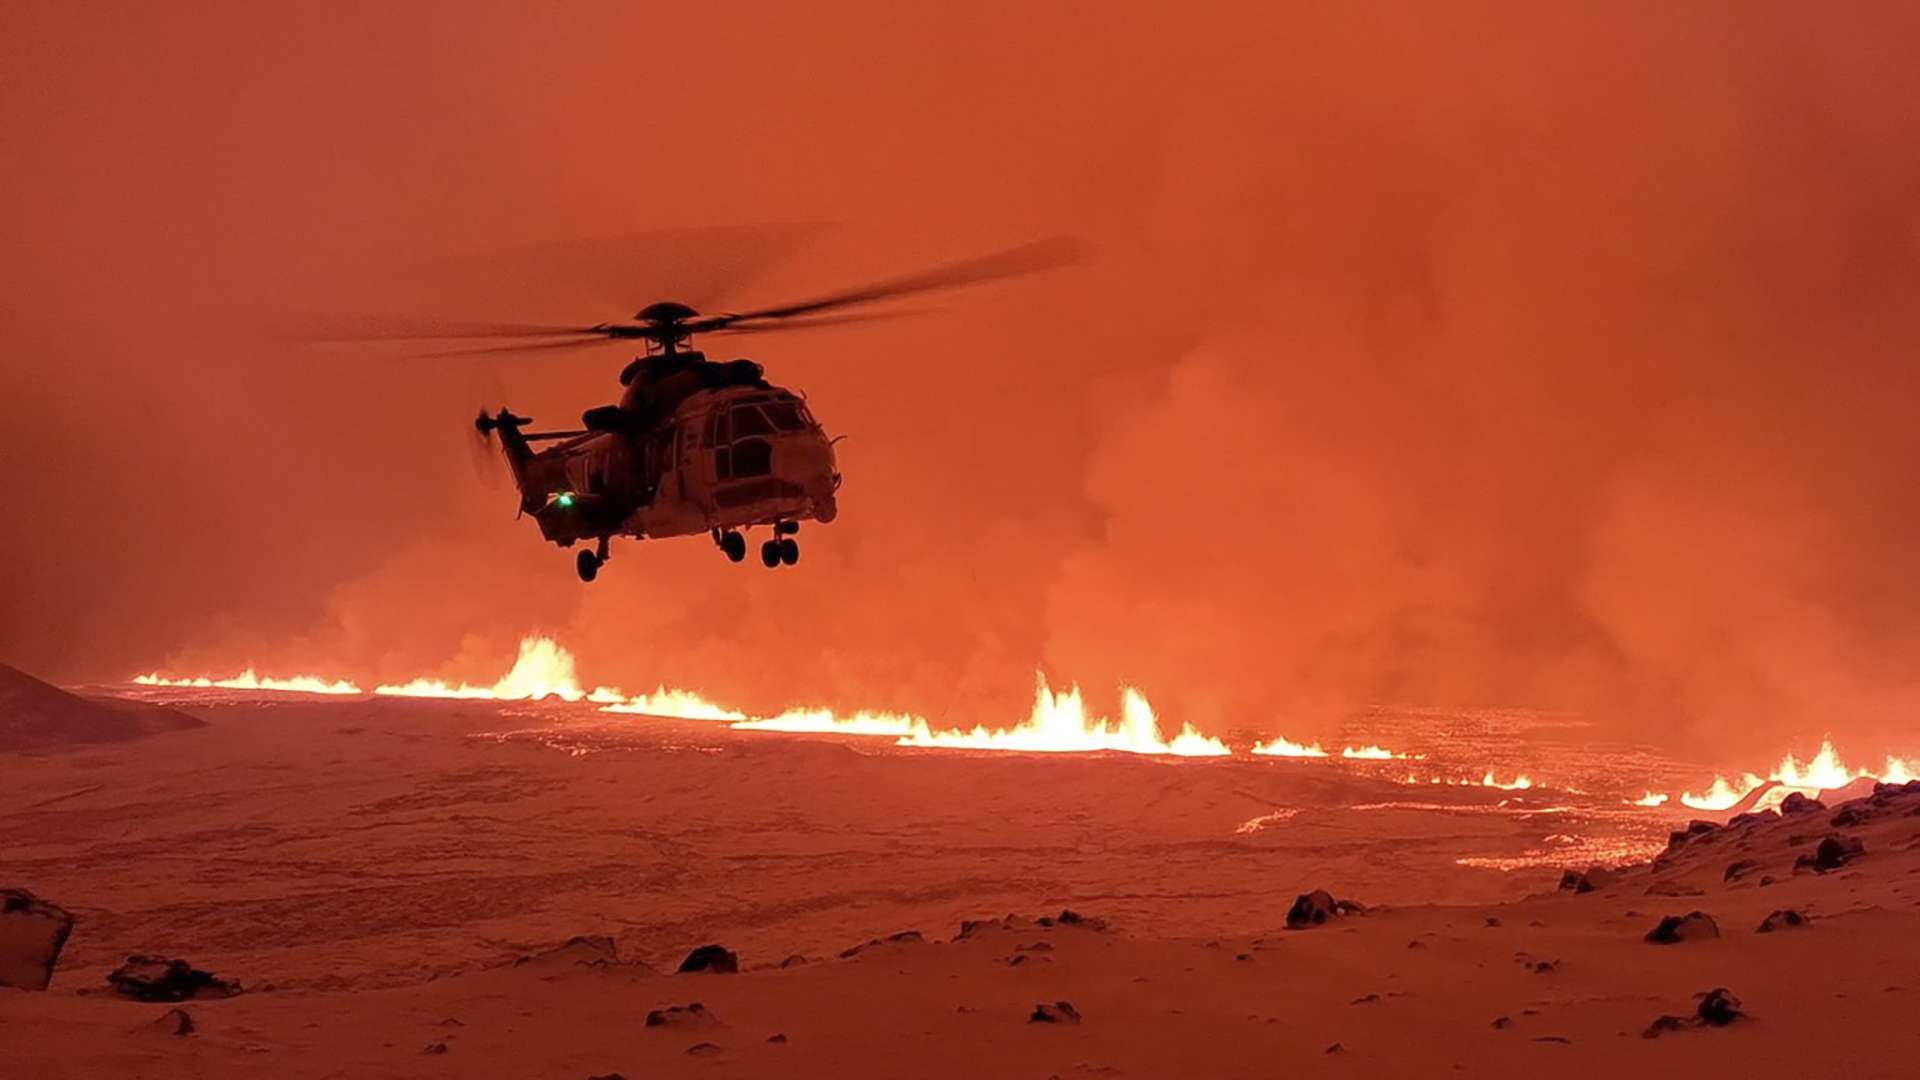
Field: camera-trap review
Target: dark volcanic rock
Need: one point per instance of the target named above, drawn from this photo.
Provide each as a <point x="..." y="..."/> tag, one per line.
<point x="1783" y="919"/>
<point x="1719" y="1007"/>
<point x="1060" y="1012"/>
<point x="1833" y="853"/>
<point x="1755" y="817"/>
<point x="595" y="950"/>
<point x="711" y="958"/>
<point x="1585" y="881"/>
<point x="1693" y="926"/>
<point x="1850" y="816"/>
<point x="703" y="1049"/>
<point x="794" y="961"/>
<point x="32" y="933"/>
<point x="679" y="1015"/>
<point x="1662" y="1025"/>
<point x="904" y="937"/>
<point x="154" y="978"/>
<point x="1796" y="803"/>
<point x="1738" y="869"/>
<point x="1318" y="906"/>
<point x="175" y="1022"/>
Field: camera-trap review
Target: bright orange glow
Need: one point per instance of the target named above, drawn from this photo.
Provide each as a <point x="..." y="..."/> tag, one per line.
<point x="1824" y="772"/>
<point x="664" y="701"/>
<point x="1651" y="799"/>
<point x="1059" y="724"/>
<point x="543" y="669"/>
<point x="1281" y="746"/>
<point x="1377" y="753"/>
<point x="893" y="725"/>
<point x="247" y="680"/>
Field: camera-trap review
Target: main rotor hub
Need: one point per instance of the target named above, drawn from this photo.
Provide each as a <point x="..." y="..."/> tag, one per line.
<point x="665" y="312"/>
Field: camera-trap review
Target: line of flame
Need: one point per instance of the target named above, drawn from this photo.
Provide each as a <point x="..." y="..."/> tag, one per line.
<point x="248" y="680"/>
<point x="1824" y="772"/>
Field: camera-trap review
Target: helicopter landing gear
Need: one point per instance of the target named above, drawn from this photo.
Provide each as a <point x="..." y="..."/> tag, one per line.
<point x="732" y="543"/>
<point x="783" y="550"/>
<point x="588" y="563"/>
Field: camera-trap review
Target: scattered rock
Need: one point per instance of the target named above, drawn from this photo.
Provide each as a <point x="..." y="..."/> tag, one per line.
<point x="1834" y="852"/>
<point x="1577" y="881"/>
<point x="174" y="1022"/>
<point x="596" y="950"/>
<point x="1366" y="999"/>
<point x="795" y="961"/>
<point x="1544" y="967"/>
<point x="434" y="1048"/>
<point x="1494" y="920"/>
<point x="703" y="1049"/>
<point x="1662" y="1025"/>
<point x="1783" y="919"/>
<point x="1502" y="1022"/>
<point x="606" y="1076"/>
<point x="904" y="937"/>
<point x="1694" y="830"/>
<point x="153" y="978"/>
<point x="1719" y="1007"/>
<point x="1738" y="869"/>
<point x="680" y="1015"/>
<point x="1796" y="803"/>
<point x="1752" y="817"/>
<point x="778" y="1038"/>
<point x="711" y="958"/>
<point x="1316" y="907"/>
<point x="1693" y="926"/>
<point x="1336" y="1048"/>
<point x="1849" y="816"/>
<point x="32" y="933"/>
<point x="1060" y="1012"/>
<point x="1562" y="1039"/>
<point x="1673" y="888"/>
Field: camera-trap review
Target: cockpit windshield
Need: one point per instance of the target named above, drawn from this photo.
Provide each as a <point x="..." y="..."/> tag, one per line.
<point x="768" y="417"/>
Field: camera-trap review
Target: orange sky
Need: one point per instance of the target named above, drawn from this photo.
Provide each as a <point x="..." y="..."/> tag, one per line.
<point x="1542" y="356"/>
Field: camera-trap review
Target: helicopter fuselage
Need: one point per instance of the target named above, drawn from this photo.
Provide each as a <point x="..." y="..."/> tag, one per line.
<point x="724" y="459"/>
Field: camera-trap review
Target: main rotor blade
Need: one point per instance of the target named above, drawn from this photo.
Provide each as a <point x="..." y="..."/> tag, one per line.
<point x="809" y="324"/>
<point x="1046" y="254"/>
<point x="521" y="346"/>
<point x="385" y="329"/>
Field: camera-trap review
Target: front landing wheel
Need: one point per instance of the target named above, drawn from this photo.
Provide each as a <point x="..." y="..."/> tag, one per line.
<point x="588" y="564"/>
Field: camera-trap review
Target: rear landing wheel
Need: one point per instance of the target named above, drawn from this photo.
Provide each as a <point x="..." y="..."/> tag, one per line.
<point x="789" y="551"/>
<point x="588" y="564"/>
<point x="770" y="554"/>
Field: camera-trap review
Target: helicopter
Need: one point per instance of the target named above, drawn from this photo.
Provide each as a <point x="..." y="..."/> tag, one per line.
<point x="693" y="446"/>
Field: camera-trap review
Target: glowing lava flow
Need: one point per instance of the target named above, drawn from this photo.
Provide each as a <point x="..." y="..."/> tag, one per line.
<point x="1376" y="753"/>
<point x="247" y="680"/>
<point x="543" y="669"/>
<point x="1823" y="773"/>
<point x="664" y="701"/>
<point x="1281" y="746"/>
<point x="1059" y="724"/>
<point x="1651" y="798"/>
<point x="824" y="721"/>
